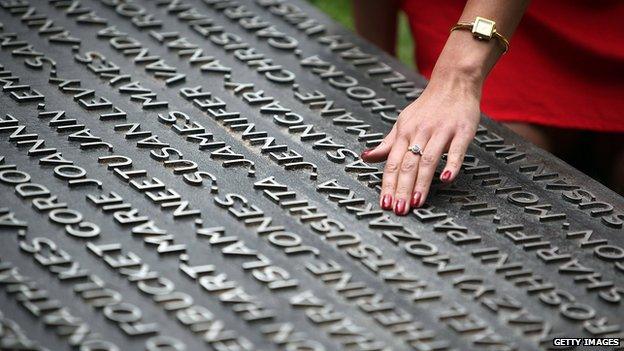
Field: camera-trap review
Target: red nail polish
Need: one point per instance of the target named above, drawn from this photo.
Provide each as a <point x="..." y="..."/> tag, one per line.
<point x="415" y="199"/>
<point x="386" y="202"/>
<point x="366" y="152"/>
<point x="421" y="201"/>
<point x="446" y="176"/>
<point x="399" y="208"/>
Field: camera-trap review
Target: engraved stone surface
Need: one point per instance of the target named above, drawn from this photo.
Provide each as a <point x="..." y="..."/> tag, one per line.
<point x="185" y="175"/>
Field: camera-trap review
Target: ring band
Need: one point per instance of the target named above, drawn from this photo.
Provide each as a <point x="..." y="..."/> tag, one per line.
<point x="415" y="149"/>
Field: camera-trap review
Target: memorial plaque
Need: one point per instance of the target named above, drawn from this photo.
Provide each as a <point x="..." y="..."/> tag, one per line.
<point x="185" y="175"/>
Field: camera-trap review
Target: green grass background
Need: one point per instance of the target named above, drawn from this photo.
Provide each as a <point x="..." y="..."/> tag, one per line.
<point x="340" y="10"/>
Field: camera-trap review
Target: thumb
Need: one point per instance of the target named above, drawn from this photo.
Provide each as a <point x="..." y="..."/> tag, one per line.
<point x="381" y="151"/>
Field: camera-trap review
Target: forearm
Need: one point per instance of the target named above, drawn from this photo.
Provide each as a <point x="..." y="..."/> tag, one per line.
<point x="464" y="57"/>
<point x="376" y="20"/>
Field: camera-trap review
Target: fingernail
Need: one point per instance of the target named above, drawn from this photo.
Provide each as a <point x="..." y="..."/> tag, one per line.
<point x="421" y="202"/>
<point x="386" y="202"/>
<point x="446" y="176"/>
<point x="366" y="152"/>
<point x="399" y="208"/>
<point x="415" y="199"/>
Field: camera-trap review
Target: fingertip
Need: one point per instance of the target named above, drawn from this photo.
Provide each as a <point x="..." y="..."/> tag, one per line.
<point x="366" y="153"/>
<point x="373" y="155"/>
<point x="386" y="202"/>
<point x="421" y="201"/>
<point x="415" y="202"/>
<point x="446" y="176"/>
<point x="400" y="207"/>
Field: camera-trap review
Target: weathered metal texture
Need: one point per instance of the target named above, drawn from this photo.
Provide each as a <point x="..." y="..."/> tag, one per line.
<point x="185" y="175"/>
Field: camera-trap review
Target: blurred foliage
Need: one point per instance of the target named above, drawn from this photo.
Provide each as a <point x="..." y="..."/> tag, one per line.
<point x="340" y="10"/>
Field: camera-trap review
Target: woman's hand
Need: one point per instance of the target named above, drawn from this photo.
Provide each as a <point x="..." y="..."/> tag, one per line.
<point x="444" y="118"/>
<point x="446" y="115"/>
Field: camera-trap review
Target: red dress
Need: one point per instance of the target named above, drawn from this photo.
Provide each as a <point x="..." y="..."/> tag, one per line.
<point x="564" y="68"/>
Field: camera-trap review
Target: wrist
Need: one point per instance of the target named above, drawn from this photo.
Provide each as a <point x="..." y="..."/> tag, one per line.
<point x="456" y="80"/>
<point x="465" y="60"/>
<point x="468" y="77"/>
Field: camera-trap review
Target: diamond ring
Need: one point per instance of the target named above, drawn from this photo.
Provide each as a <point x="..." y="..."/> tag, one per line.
<point x="415" y="149"/>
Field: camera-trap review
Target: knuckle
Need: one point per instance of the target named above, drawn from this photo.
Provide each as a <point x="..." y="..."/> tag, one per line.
<point x="456" y="157"/>
<point x="408" y="167"/>
<point x="453" y="163"/>
<point x="465" y="128"/>
<point x="426" y="128"/>
<point x="422" y="186"/>
<point x="402" y="191"/>
<point x="403" y="133"/>
<point x="428" y="160"/>
<point x="461" y="125"/>
<point x="392" y="167"/>
<point x="406" y="113"/>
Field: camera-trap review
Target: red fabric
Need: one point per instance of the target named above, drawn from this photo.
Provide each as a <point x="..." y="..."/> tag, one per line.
<point x="565" y="66"/>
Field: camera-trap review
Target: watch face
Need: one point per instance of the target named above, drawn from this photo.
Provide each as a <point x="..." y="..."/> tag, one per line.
<point x="483" y="28"/>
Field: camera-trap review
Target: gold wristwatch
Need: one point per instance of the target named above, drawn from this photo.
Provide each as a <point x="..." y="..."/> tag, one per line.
<point x="483" y="29"/>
